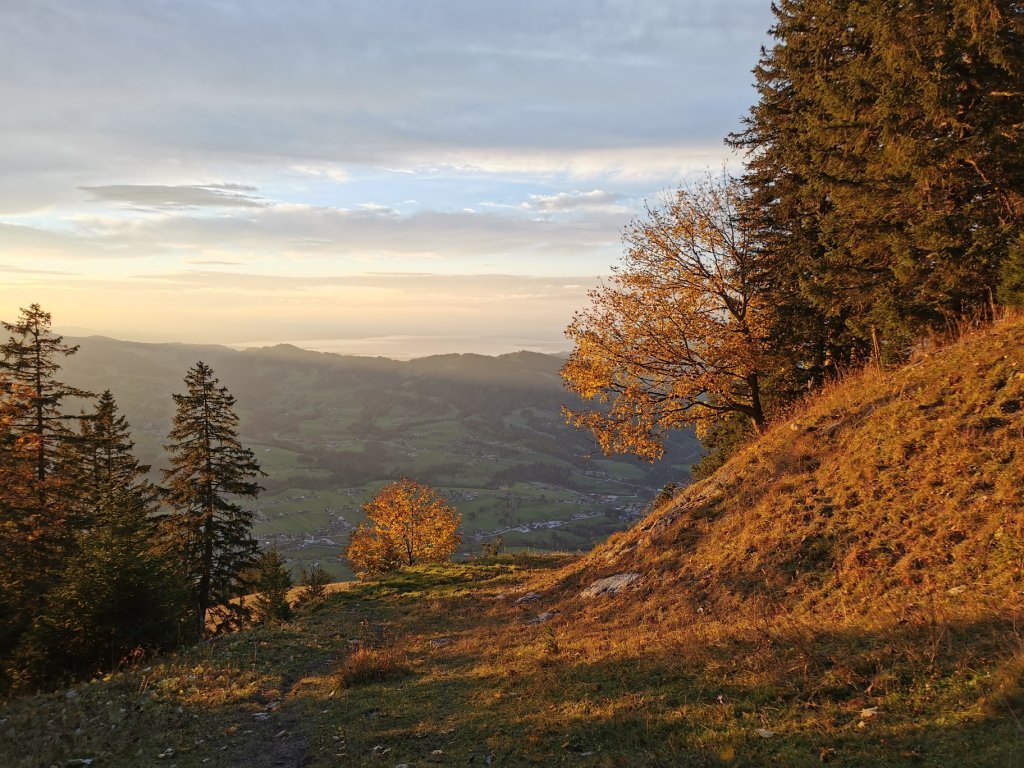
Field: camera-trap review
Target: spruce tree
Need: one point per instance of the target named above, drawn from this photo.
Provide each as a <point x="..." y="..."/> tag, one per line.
<point x="30" y="363"/>
<point x="122" y="594"/>
<point x="273" y="583"/>
<point x="37" y="522"/>
<point x="887" y="166"/>
<point x="107" y="474"/>
<point x="22" y="550"/>
<point x="210" y="471"/>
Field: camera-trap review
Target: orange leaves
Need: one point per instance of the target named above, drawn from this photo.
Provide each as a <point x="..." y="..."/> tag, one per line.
<point x="675" y="338"/>
<point x="409" y="523"/>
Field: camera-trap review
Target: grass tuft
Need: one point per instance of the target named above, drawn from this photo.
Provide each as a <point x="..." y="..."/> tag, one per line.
<point x="371" y="665"/>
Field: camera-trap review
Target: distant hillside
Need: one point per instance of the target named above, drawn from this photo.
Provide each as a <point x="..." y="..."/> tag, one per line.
<point x="331" y="429"/>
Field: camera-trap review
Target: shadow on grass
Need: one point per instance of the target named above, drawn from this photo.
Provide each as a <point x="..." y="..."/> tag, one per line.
<point x="479" y="686"/>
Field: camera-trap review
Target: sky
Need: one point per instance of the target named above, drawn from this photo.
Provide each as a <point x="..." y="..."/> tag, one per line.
<point x="396" y="177"/>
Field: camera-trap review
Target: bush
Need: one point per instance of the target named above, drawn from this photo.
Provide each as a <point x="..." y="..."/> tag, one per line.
<point x="494" y="547"/>
<point x="408" y="523"/>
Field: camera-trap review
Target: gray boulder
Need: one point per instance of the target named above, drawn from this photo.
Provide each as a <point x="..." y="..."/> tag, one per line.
<point x="611" y="585"/>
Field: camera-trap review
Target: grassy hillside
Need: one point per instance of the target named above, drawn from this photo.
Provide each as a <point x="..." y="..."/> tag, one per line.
<point x="330" y="430"/>
<point x="847" y="591"/>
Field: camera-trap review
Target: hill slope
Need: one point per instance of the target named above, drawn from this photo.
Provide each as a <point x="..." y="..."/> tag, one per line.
<point x="846" y="591"/>
<point x="904" y="485"/>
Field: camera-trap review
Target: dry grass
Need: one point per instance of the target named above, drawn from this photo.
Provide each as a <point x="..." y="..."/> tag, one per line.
<point x="371" y="665"/>
<point x="904" y="483"/>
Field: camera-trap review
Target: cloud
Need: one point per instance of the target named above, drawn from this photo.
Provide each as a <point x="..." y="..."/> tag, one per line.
<point x="326" y="171"/>
<point x="318" y="87"/>
<point x="25" y="271"/>
<point x="573" y="201"/>
<point x="125" y="110"/>
<point x="308" y="238"/>
<point x="164" y="197"/>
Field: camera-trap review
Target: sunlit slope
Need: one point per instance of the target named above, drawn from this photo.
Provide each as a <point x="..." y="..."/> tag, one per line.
<point x="890" y="491"/>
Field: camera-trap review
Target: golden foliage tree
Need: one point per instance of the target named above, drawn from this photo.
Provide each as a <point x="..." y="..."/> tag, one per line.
<point x="408" y="523"/>
<point x="675" y="337"/>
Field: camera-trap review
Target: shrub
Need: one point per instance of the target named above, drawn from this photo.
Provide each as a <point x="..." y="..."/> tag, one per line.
<point x="409" y="523"/>
<point x="314" y="587"/>
<point x="273" y="581"/>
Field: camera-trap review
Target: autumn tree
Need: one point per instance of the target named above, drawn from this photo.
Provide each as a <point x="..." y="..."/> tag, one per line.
<point x="675" y="337"/>
<point x="210" y="472"/>
<point x="408" y="523"/>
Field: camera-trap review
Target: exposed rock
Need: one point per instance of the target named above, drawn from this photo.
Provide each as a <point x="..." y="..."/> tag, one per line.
<point x="611" y="585"/>
<point x="529" y="597"/>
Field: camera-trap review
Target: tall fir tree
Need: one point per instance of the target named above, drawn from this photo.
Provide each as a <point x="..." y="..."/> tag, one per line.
<point x="107" y="474"/>
<point x="210" y="471"/>
<point x="886" y="161"/>
<point x="37" y="522"/>
<point x="30" y="362"/>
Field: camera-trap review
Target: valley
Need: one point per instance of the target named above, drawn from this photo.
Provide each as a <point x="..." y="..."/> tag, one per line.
<point x="331" y="430"/>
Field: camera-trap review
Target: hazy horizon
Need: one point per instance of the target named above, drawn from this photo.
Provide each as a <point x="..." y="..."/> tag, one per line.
<point x="398" y="347"/>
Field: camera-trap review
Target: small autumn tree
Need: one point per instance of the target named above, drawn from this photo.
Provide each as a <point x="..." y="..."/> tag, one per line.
<point x="408" y="523"/>
<point x="675" y="337"/>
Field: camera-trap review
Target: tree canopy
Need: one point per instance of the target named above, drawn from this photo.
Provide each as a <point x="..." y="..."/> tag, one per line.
<point x="886" y="163"/>
<point x="676" y="337"/>
<point x="408" y="523"/>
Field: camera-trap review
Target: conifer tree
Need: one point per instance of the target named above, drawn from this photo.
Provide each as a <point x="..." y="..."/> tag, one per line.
<point x="122" y="593"/>
<point x="887" y="167"/>
<point x="273" y="583"/>
<point x="23" y="547"/>
<point x="37" y="524"/>
<point x="30" y="361"/>
<point x="107" y="474"/>
<point x="210" y="471"/>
